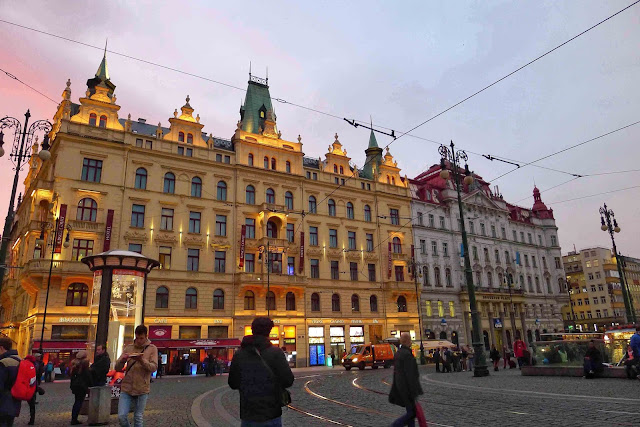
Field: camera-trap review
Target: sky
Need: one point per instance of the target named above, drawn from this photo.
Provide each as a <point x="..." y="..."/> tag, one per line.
<point x="395" y="63"/>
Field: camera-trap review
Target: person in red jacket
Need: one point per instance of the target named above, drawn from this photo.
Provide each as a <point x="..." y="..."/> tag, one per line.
<point x="519" y="348"/>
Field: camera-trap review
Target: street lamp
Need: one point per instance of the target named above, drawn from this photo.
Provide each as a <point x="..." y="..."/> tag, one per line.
<point x="423" y="359"/>
<point x="451" y="158"/>
<point x="573" y="316"/>
<point x="608" y="223"/>
<point x="22" y="143"/>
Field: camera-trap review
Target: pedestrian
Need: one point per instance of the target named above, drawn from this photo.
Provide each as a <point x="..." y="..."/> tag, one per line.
<point x="101" y="365"/>
<point x="406" y="382"/>
<point x="436" y="358"/>
<point x="160" y="368"/>
<point x="463" y="361"/>
<point x="505" y="356"/>
<point x="446" y="360"/>
<point x="210" y="365"/>
<point x="48" y="372"/>
<point x="261" y="373"/>
<point x="470" y="359"/>
<point x="592" y="361"/>
<point x="519" y="348"/>
<point x="494" y="355"/>
<point x="141" y="359"/>
<point x="80" y="383"/>
<point x="9" y="361"/>
<point x="37" y="363"/>
<point x="455" y="356"/>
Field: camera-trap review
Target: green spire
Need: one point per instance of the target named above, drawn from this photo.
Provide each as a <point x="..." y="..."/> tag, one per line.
<point x="373" y="143"/>
<point x="103" y="71"/>
<point x="257" y="105"/>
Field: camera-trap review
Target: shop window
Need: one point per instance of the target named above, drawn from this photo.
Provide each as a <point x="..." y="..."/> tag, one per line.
<point x="162" y="297"/>
<point x="215" y="332"/>
<point x="77" y="294"/>
<point x="69" y="332"/>
<point x="190" y="332"/>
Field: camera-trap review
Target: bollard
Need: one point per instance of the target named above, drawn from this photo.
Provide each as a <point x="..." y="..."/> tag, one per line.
<point x="99" y="405"/>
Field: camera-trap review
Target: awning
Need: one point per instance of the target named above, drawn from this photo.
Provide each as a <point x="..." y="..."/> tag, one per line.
<point x="56" y="346"/>
<point x="202" y="343"/>
<point x="431" y="344"/>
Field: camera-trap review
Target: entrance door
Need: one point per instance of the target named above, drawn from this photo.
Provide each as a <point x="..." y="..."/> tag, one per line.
<point x="316" y="355"/>
<point x="338" y="349"/>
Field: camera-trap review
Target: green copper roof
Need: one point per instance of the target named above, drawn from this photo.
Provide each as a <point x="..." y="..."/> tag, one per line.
<point x="257" y="99"/>
<point x="373" y="143"/>
<point x="103" y="71"/>
<point x="374" y="158"/>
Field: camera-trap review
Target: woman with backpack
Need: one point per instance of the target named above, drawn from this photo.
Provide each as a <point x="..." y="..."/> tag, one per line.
<point x="80" y="383"/>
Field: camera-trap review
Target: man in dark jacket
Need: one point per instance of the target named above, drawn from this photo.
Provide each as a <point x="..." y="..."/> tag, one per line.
<point x="592" y="361"/>
<point x="9" y="361"/>
<point x="260" y="371"/>
<point x="436" y="359"/>
<point x="101" y="365"/>
<point x="406" y="382"/>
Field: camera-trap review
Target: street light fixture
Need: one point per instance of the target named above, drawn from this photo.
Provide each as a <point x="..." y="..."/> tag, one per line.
<point x="450" y="158"/>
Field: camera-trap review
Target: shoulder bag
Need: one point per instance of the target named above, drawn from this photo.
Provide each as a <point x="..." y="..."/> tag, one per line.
<point x="284" y="396"/>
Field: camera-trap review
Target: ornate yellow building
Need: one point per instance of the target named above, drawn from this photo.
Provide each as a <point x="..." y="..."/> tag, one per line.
<point x="242" y="228"/>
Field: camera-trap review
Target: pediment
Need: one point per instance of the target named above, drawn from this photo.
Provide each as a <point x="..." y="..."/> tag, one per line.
<point x="480" y="199"/>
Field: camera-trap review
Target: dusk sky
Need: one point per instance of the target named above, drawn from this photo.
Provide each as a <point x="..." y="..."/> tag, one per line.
<point x="397" y="62"/>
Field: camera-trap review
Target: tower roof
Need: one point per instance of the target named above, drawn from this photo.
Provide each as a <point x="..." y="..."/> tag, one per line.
<point x="373" y="143"/>
<point x="103" y="71"/>
<point x="257" y="105"/>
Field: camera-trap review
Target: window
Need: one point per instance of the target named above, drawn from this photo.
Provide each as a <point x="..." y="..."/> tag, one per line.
<point x="402" y="304"/>
<point x="141" y="179"/>
<point x="493" y="231"/>
<point x="333" y="238"/>
<point x="530" y="284"/>
<point x="194" y="222"/>
<point x="137" y="216"/>
<point x="341" y="170"/>
<point x="372" y="272"/>
<point x="291" y="266"/>
<point x="91" y="170"/>
<point x="308" y="175"/>
<point x="273" y="163"/>
<point x="335" y="302"/>
<point x="77" y="294"/>
<point x="271" y="300"/>
<point x="369" y="242"/>
<point x="474" y="251"/>
<point x="312" y="204"/>
<point x="191" y="298"/>
<point x="425" y="276"/>
<point x="135" y="247"/>
<point x="434" y="248"/>
<point x="290" y="300"/>
<point x="335" y="168"/>
<point x="399" y="273"/>
<point x="436" y="276"/>
<point x="483" y="230"/>
<point x="603" y="300"/>
<point x="355" y="303"/>
<point x="557" y="262"/>
<point x="250" y="195"/>
<point x="396" y="245"/>
<point x="218" y="299"/>
<point x="497" y="256"/>
<point x="266" y="162"/>
<point x="221" y="191"/>
<point x="423" y="246"/>
<point x="164" y="255"/>
<point x="87" y="210"/>
<point x="288" y="200"/>
<point x="522" y="236"/>
<point x="526" y="260"/>
<point x="272" y="230"/>
<point x="544" y="263"/>
<point x="220" y="262"/>
<point x="250" y="228"/>
<point x="166" y="219"/>
<point x="352" y="240"/>
<point x="350" y="212"/>
<point x="315" y="302"/>
<point x="218" y="157"/>
<point x="373" y="303"/>
<point x="270" y="195"/>
<point x="504" y="232"/>
<point x="452" y="309"/>
<point x="287" y="166"/>
<point x="249" y="300"/>
<point x="275" y="263"/>
<point x="162" y="297"/>
<point x="290" y="233"/>
<point x="331" y="204"/>
<point x="442" y="223"/>
<point x="193" y="259"/>
<point x="249" y="263"/>
<point x="489" y="279"/>
<point x="472" y="227"/>
<point x="250" y="159"/>
<point x="169" y="183"/>
<point x="507" y="258"/>
<point x="554" y="241"/>
<point x="529" y="238"/>
<point x="447" y="277"/>
<point x="315" y="176"/>
<point x="313" y="236"/>
<point x="221" y="225"/>
<point x="181" y="137"/>
<point x="533" y="261"/>
<point x="353" y="271"/>
<point x="227" y="159"/>
<point x="93" y="118"/>
<point x="315" y="269"/>
<point x="103" y="121"/>
<point x="395" y="216"/>
<point x="189" y="152"/>
<point x="335" y="270"/>
<point x="367" y="213"/>
<point x="445" y="249"/>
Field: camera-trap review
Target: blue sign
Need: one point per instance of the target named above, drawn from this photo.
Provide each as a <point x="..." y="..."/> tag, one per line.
<point x="497" y="323"/>
<point x="443" y="322"/>
<point x="461" y="250"/>
<point x="518" y="258"/>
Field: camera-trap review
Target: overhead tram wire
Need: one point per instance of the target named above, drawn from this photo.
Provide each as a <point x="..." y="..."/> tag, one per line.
<point x="27" y="85"/>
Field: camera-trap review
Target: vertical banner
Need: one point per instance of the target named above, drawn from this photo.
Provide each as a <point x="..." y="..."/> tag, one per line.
<point x="389" y="266"/>
<point x="413" y="261"/>
<point x="60" y="231"/>
<point x="107" y="231"/>
<point x="301" y="266"/>
<point x="243" y="234"/>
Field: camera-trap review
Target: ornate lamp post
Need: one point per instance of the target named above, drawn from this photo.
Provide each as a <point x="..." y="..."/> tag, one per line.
<point x="414" y="266"/>
<point x="573" y="316"/>
<point x="22" y="143"/>
<point x="451" y="158"/>
<point x="609" y="223"/>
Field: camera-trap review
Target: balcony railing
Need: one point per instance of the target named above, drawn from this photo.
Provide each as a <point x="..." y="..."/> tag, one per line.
<point x="41" y="266"/>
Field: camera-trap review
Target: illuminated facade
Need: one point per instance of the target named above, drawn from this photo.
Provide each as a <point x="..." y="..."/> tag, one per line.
<point x="213" y="211"/>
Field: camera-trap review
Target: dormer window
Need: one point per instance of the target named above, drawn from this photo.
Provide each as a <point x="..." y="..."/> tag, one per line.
<point x="261" y="114"/>
<point x="93" y="119"/>
<point x="335" y="168"/>
<point x="189" y="138"/>
<point x="181" y="137"/>
<point x="273" y="163"/>
<point x="103" y="121"/>
<point x="341" y="170"/>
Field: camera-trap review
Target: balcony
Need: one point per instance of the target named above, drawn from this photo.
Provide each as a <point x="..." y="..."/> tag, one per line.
<point x="41" y="267"/>
<point x="86" y="226"/>
<point x="274" y="279"/>
<point x="272" y="207"/>
<point x="401" y="257"/>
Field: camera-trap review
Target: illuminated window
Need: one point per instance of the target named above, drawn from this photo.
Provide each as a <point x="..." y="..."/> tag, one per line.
<point x="77" y="294"/>
<point x="427" y="308"/>
<point x="440" y="309"/>
<point x="93" y="119"/>
<point x="103" y="121"/>
<point x="452" y="310"/>
<point x="402" y="304"/>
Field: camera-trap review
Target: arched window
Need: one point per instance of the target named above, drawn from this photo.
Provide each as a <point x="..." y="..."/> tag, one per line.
<point x="350" y="213"/>
<point x="436" y="276"/>
<point x="355" y="302"/>
<point x="312" y="204"/>
<point x="315" y="302"/>
<point x="367" y="213"/>
<point x="93" y="119"/>
<point x="549" y="291"/>
<point x="191" y="298"/>
<point x="393" y="180"/>
<point x="169" y="183"/>
<point x="341" y="170"/>
<point x="331" y="204"/>
<point x="538" y="289"/>
<point x="218" y="299"/>
<point x="250" y="195"/>
<point x="272" y="230"/>
<point x="273" y="163"/>
<point x="288" y="200"/>
<point x="288" y="166"/>
<point x="181" y="137"/>
<point x="141" y="179"/>
<point x="335" y="302"/>
<point x="397" y="246"/>
<point x="266" y="162"/>
<point x="222" y="191"/>
<point x="196" y="187"/>
<point x="373" y="303"/>
<point x="189" y="138"/>
<point x="447" y="277"/>
<point x="290" y="301"/>
<point x="250" y="160"/>
<point x="335" y="168"/>
<point x="402" y="304"/>
<point x="489" y="279"/>
<point x="87" y="210"/>
<point x="249" y="300"/>
<point x="530" y="283"/>
<point x="103" y="121"/>
<point x="271" y="300"/>
<point x="162" y="297"/>
<point x="271" y="195"/>
<point x="425" y="275"/>
<point x="388" y="180"/>
<point x="77" y="294"/>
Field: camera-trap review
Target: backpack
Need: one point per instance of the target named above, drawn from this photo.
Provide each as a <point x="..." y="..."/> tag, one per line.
<point x="25" y="384"/>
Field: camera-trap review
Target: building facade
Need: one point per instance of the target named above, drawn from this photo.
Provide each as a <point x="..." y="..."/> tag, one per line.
<point x="242" y="227"/>
<point x="508" y="244"/>
<point x="596" y="293"/>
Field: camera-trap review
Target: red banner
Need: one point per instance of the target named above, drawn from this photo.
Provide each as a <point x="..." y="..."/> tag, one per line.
<point x="159" y="332"/>
<point x="389" y="261"/>
<point x="107" y="231"/>
<point x="60" y="231"/>
<point x="301" y="266"/>
<point x="243" y="234"/>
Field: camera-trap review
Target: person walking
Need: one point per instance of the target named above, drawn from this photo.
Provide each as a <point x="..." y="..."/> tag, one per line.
<point x="261" y="373"/>
<point x="505" y="356"/>
<point x="80" y="383"/>
<point x="465" y="354"/>
<point x="37" y="363"/>
<point x="519" y="348"/>
<point x="406" y="382"/>
<point x="436" y="358"/>
<point x="141" y="359"/>
<point x="470" y="359"/>
<point x="9" y="361"/>
<point x="494" y="355"/>
<point x="446" y="360"/>
<point x="48" y="372"/>
<point x="211" y="365"/>
<point x="101" y="365"/>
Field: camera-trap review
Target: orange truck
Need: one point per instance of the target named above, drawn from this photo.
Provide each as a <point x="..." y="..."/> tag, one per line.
<point x="373" y="355"/>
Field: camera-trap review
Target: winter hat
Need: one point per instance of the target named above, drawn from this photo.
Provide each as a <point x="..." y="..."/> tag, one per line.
<point x="81" y="355"/>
